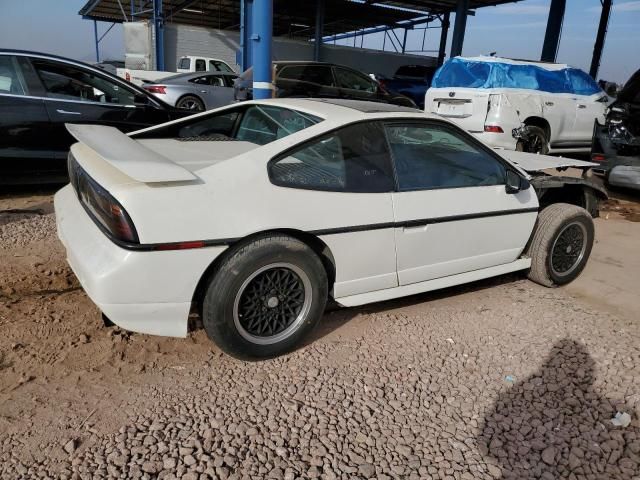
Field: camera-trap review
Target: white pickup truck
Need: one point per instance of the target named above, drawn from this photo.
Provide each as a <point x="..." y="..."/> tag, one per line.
<point x="534" y="107"/>
<point x="186" y="64"/>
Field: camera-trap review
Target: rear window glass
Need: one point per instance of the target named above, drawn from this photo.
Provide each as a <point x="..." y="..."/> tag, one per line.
<point x="217" y="66"/>
<point x="263" y="124"/>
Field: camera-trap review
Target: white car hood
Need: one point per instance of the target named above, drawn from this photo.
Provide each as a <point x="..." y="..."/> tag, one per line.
<point x="532" y="162"/>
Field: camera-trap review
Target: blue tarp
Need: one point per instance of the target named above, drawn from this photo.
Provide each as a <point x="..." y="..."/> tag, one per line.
<point x="461" y="72"/>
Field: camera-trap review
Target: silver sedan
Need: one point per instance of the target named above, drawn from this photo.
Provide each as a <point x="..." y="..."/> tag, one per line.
<point x="195" y="91"/>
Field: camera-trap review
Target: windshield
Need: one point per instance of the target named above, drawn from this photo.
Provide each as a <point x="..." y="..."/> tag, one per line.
<point x="465" y="73"/>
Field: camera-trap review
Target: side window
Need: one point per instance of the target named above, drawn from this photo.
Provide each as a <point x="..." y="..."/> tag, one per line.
<point x="71" y="83"/>
<point x="11" y="80"/>
<point x="294" y="72"/>
<point x="201" y="65"/>
<point x="581" y="83"/>
<point x="215" y="81"/>
<point x="185" y="63"/>
<point x="216" y="66"/>
<point x="352" y="159"/>
<point x="354" y="81"/>
<point x="199" y="80"/>
<point x="434" y="156"/>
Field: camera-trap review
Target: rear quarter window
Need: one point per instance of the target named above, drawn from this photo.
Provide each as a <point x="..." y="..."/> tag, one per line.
<point x="185" y="63"/>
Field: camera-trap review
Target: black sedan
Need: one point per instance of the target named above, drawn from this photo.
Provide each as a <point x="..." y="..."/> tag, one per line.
<point x="39" y="93"/>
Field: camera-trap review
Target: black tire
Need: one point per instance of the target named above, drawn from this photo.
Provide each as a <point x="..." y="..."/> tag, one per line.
<point x="537" y="141"/>
<point x="237" y="297"/>
<point x="190" y="102"/>
<point x="561" y="244"/>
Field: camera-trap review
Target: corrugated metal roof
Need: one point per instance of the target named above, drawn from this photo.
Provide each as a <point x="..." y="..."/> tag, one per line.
<point x="290" y="17"/>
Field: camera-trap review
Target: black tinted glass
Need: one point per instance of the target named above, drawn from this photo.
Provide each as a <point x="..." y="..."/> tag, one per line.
<point x="352" y="159"/>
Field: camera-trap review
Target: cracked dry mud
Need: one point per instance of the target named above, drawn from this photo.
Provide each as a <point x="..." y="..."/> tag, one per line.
<point x="499" y="379"/>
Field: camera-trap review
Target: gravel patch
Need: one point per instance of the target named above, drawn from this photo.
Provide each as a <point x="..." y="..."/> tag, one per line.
<point x="500" y="379"/>
<point x="20" y="230"/>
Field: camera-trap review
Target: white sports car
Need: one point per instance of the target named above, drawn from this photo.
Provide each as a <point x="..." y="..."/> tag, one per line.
<point x="255" y="214"/>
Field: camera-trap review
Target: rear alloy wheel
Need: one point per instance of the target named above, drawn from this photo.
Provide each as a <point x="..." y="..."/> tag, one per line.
<point x="536" y="141"/>
<point x="190" y="102"/>
<point x="265" y="297"/>
<point x="561" y="244"/>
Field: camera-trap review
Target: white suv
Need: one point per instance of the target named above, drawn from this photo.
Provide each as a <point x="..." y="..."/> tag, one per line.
<point x="519" y="105"/>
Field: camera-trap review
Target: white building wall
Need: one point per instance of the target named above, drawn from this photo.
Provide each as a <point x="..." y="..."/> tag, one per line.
<point x="223" y="44"/>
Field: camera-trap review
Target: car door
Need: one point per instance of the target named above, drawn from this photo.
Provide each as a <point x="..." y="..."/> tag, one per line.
<point x="74" y="94"/>
<point x="354" y="85"/>
<point x="218" y="93"/>
<point x="342" y="183"/>
<point x="453" y="213"/>
<point x="25" y="143"/>
<point x="589" y="105"/>
<point x="306" y="81"/>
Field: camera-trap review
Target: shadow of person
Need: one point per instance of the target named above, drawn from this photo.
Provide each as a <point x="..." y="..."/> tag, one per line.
<point x="555" y="425"/>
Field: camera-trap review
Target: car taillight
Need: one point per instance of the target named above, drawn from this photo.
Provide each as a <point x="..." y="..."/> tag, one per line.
<point x="596" y="157"/>
<point x="493" y="129"/>
<point x="162" y="89"/>
<point x="105" y="210"/>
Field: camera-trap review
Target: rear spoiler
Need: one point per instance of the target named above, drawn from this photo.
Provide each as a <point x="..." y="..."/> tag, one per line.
<point x="128" y="155"/>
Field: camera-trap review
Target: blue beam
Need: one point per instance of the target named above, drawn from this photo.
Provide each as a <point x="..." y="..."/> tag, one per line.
<point x="261" y="40"/>
<point x="460" y="25"/>
<point x="554" y="29"/>
<point x="318" y="31"/>
<point x="95" y="36"/>
<point x="384" y="28"/>
<point x="158" y="22"/>
<point x="246" y="20"/>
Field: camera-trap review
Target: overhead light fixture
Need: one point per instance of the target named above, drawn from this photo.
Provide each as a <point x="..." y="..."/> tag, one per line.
<point x="300" y="25"/>
<point x="192" y="10"/>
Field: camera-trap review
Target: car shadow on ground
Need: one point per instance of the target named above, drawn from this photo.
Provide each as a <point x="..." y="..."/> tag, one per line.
<point x="337" y="316"/>
<point x="554" y="424"/>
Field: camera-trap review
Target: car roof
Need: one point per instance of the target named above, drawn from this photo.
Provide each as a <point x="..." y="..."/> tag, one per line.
<point x="346" y="110"/>
<point x="189" y="76"/>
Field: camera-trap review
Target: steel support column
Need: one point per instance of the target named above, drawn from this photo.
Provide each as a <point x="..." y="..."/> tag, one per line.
<point x="554" y="30"/>
<point x="95" y="36"/>
<point x="602" y="34"/>
<point x="261" y="40"/>
<point x="246" y="19"/>
<point x="459" y="27"/>
<point x="444" y="21"/>
<point x="158" y="23"/>
<point x="317" y="45"/>
<point x="404" y="40"/>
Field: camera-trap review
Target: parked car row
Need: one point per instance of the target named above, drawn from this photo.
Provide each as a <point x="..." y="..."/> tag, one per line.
<point x="40" y="93"/>
<point x="321" y="80"/>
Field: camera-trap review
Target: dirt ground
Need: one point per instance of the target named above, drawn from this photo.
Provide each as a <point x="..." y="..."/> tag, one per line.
<point x="498" y="379"/>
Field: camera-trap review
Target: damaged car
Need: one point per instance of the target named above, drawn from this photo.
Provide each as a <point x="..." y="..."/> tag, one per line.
<point x="616" y="142"/>
<point x="534" y="107"/>
<point x="254" y="215"/>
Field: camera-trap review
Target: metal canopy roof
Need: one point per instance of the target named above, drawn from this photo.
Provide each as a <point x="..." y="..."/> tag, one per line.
<point x="290" y="17"/>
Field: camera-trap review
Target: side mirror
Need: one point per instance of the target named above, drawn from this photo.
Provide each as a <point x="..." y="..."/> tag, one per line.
<point x="513" y="182"/>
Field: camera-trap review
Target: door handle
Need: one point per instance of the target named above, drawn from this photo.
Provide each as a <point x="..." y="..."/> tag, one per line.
<point x="66" y="112"/>
<point x="549" y="104"/>
<point x="582" y="106"/>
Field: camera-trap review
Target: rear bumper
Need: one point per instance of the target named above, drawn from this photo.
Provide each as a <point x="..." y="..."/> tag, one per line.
<point x="147" y="292"/>
<point x="627" y="176"/>
<point x="497" y="140"/>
